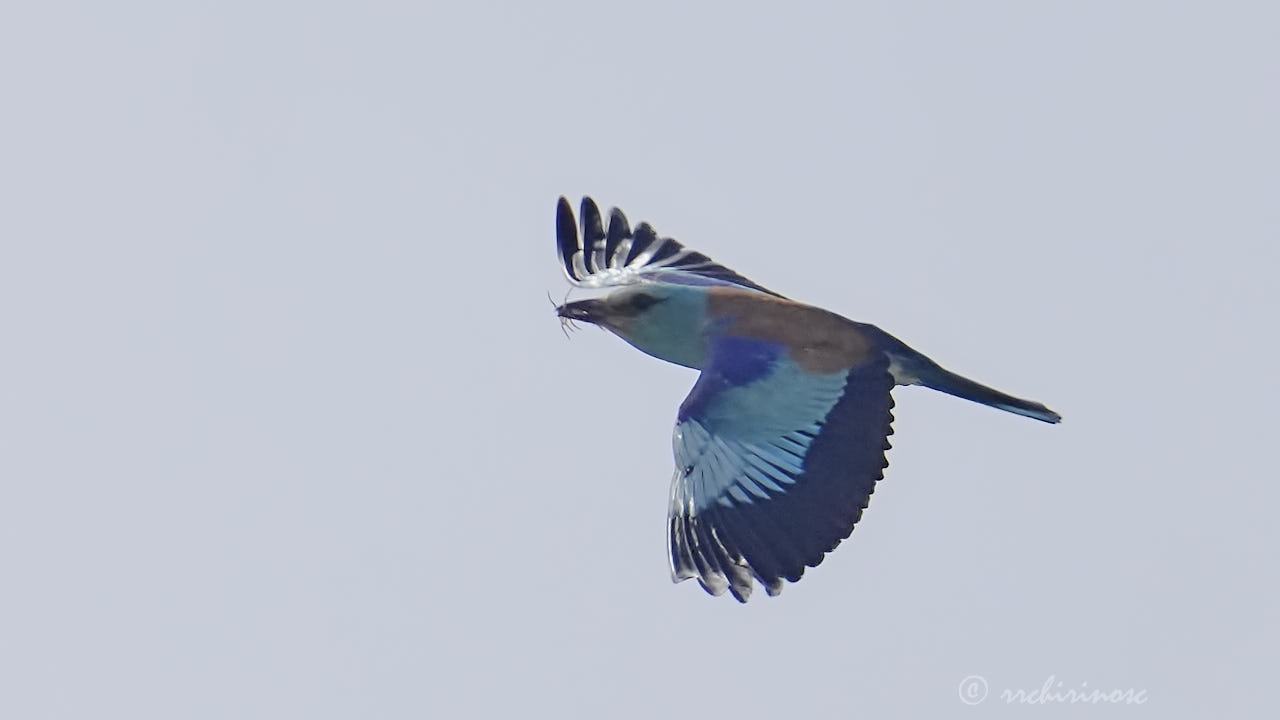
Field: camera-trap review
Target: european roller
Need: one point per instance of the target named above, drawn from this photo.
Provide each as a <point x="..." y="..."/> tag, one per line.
<point x="782" y="439"/>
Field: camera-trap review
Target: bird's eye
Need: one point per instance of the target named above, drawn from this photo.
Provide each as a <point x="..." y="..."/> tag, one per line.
<point x="643" y="301"/>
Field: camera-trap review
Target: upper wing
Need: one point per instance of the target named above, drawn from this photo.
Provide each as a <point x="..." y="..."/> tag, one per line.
<point x="617" y="256"/>
<point x="774" y="465"/>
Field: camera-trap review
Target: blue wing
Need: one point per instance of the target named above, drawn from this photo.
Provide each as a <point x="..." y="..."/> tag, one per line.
<point x="604" y="257"/>
<point x="774" y="465"/>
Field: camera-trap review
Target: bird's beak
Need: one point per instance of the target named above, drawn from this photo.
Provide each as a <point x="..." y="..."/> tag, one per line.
<point x="585" y="310"/>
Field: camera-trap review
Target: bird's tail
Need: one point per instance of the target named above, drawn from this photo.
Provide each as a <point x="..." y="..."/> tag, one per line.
<point x="911" y="367"/>
<point x="938" y="378"/>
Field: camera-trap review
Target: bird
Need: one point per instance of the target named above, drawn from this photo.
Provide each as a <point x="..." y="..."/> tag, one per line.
<point x="780" y="443"/>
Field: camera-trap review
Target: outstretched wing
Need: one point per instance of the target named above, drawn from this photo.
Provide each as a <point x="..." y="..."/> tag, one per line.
<point x="774" y="465"/>
<point x="603" y="257"/>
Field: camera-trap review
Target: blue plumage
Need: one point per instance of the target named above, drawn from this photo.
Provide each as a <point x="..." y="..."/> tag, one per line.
<point x="782" y="439"/>
<point x="734" y="362"/>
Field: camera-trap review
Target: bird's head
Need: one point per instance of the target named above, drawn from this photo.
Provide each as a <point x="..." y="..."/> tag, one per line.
<point x="666" y="321"/>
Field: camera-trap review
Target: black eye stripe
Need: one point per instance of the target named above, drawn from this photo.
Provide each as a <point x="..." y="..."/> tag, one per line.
<point x="643" y="302"/>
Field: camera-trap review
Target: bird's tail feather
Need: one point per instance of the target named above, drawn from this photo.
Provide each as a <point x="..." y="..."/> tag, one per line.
<point x="962" y="387"/>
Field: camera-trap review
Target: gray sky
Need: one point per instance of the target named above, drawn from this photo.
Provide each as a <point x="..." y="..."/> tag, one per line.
<point x="288" y="428"/>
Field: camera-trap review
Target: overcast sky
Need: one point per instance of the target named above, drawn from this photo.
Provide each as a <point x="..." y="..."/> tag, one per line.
<point x="288" y="428"/>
